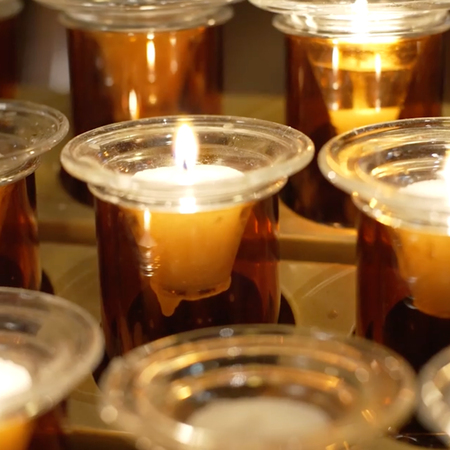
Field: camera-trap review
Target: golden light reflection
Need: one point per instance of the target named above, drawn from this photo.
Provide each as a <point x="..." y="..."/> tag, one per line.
<point x="133" y="105"/>
<point x="368" y="415"/>
<point x="151" y="57"/>
<point x="446" y="176"/>
<point x="378" y="70"/>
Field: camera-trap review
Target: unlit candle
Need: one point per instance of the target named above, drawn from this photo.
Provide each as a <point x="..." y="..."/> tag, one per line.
<point x="261" y="417"/>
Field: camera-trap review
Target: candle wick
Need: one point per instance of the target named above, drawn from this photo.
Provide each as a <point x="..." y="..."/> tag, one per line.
<point x="185" y="167"/>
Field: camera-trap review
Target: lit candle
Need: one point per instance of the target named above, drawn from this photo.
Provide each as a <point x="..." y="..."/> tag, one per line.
<point x="368" y="80"/>
<point x="261" y="417"/>
<point x="346" y="119"/>
<point x="15" y="432"/>
<point x="423" y="257"/>
<point x="188" y="254"/>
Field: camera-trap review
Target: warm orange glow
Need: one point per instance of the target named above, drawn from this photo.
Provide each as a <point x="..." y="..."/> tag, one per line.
<point x="133" y="106"/>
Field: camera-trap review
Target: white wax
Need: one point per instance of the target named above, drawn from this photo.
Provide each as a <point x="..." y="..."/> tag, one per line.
<point x="428" y="188"/>
<point x="263" y="417"/>
<point x="423" y="256"/>
<point x="191" y="253"/>
<point x="14" y="378"/>
<point x="199" y="173"/>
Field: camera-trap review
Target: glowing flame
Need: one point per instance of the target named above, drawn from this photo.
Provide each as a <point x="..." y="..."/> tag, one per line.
<point x="377" y="66"/>
<point x="361" y="11"/>
<point x="133" y="106"/>
<point x="185" y="148"/>
<point x="335" y="59"/>
<point x="361" y="25"/>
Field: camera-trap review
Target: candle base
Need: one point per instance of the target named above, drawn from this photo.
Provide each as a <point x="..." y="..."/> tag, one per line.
<point x="170" y="299"/>
<point x="422" y="260"/>
<point x="15" y="434"/>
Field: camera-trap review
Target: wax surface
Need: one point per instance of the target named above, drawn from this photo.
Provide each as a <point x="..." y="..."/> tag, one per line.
<point x="423" y="258"/>
<point x="428" y="188"/>
<point x="188" y="254"/>
<point x="346" y="119"/>
<point x="13" y="378"/>
<point x="261" y="417"/>
<point x="199" y="173"/>
<point x="15" y="432"/>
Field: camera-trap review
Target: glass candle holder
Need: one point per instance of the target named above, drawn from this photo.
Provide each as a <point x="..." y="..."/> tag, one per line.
<point x="260" y="387"/>
<point x="365" y="63"/>
<point x="187" y="221"/>
<point x="143" y="61"/>
<point x="398" y="175"/>
<point x="9" y="9"/>
<point x="48" y="347"/>
<point x="434" y="399"/>
<point x="27" y="130"/>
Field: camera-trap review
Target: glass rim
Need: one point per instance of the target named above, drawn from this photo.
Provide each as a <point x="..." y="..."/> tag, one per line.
<point x="140" y="6"/>
<point x="95" y="174"/>
<point x="311" y="8"/>
<point x="343" y="170"/>
<point x="145" y="21"/>
<point x="381" y="25"/>
<point x="113" y="402"/>
<point x="52" y="137"/>
<point x="54" y="387"/>
<point x="10" y="8"/>
<point x="433" y="411"/>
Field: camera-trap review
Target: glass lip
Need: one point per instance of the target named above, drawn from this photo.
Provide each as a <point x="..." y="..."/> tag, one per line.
<point x="94" y="173"/>
<point x="338" y="161"/>
<point x="113" y="403"/>
<point x="126" y="6"/>
<point x="343" y="7"/>
<point x="145" y="21"/>
<point x="52" y="136"/>
<point x="432" y="410"/>
<point x="10" y="8"/>
<point x="377" y="24"/>
<point x="54" y="387"/>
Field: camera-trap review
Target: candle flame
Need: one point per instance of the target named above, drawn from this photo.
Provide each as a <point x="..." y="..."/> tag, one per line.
<point x="377" y="66"/>
<point x="185" y="147"/>
<point x="361" y="25"/>
<point x="361" y="11"/>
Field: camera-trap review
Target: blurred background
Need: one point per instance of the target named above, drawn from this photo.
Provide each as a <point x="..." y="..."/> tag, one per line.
<point x="251" y="47"/>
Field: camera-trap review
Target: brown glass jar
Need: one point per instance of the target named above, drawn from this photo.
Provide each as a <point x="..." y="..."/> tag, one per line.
<point x="398" y="175"/>
<point x="346" y="73"/>
<point x="27" y="130"/>
<point x="182" y="245"/>
<point x="143" y="61"/>
<point x="9" y="9"/>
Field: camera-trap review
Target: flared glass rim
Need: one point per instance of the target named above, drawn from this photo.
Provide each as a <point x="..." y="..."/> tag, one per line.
<point x="132" y="7"/>
<point x="433" y="406"/>
<point x="325" y="8"/>
<point x="58" y="126"/>
<point x="299" y="151"/>
<point x="339" y="160"/>
<point x="51" y="388"/>
<point x="376" y="24"/>
<point x="113" y="404"/>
